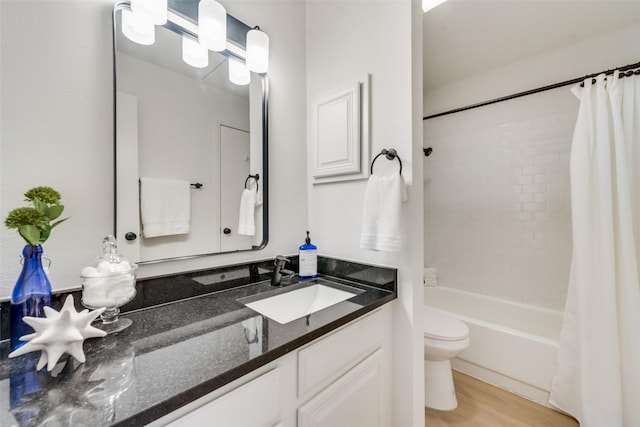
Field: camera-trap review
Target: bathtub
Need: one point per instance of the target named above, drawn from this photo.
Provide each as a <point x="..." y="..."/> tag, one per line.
<point x="513" y="345"/>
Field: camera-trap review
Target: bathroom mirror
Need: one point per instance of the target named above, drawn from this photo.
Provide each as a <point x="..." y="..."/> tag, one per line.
<point x="178" y="124"/>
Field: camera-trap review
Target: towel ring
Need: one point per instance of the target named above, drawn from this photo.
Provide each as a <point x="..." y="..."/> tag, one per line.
<point x="390" y="154"/>
<point x="256" y="177"/>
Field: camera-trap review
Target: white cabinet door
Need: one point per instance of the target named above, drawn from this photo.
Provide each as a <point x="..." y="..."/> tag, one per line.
<point x="355" y="400"/>
<point x="254" y="404"/>
<point x="325" y="360"/>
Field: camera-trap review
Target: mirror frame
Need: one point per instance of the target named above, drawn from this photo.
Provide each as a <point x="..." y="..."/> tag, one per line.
<point x="236" y="37"/>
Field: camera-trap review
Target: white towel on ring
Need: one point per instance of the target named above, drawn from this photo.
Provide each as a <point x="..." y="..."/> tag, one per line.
<point x="381" y="213"/>
<point x="247" y="219"/>
<point x="165" y="206"/>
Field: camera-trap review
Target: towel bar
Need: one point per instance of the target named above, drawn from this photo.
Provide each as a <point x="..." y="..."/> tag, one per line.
<point x="196" y="185"/>
<point x="390" y="154"/>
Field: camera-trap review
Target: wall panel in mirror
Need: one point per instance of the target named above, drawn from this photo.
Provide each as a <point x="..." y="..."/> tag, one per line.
<point x="178" y="125"/>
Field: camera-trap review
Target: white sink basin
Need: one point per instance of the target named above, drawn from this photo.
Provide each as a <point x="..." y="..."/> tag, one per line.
<point x="292" y="305"/>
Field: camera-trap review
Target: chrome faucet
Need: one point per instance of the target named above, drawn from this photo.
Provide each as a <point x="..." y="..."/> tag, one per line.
<point x="279" y="270"/>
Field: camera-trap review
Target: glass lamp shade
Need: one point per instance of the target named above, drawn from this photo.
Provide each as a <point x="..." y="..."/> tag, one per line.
<point x="194" y="54"/>
<point x="257" y="51"/>
<point x="238" y="72"/>
<point x="137" y="28"/>
<point x="212" y="25"/>
<point x="154" y="10"/>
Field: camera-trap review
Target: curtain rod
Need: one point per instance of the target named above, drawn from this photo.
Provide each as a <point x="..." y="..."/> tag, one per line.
<point x="530" y="92"/>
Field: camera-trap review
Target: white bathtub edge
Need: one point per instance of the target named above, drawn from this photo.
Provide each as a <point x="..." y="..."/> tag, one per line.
<point x="495" y="326"/>
<point x="504" y="382"/>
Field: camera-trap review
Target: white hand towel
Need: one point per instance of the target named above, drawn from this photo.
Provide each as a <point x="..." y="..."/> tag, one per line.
<point x="381" y="213"/>
<point x="247" y="220"/>
<point x="165" y="206"/>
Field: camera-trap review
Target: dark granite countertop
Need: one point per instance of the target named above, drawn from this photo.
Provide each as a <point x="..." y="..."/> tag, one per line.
<point x="177" y="351"/>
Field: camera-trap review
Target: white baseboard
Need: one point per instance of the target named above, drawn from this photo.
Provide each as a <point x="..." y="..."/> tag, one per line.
<point x="504" y="382"/>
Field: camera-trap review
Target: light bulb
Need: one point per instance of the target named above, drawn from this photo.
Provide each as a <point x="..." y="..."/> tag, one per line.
<point x="137" y="28"/>
<point x="193" y="53"/>
<point x="154" y="10"/>
<point x="257" y="51"/>
<point x="238" y="72"/>
<point x="212" y="25"/>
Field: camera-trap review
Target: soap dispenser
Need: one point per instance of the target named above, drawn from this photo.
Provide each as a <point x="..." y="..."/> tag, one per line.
<point x="308" y="259"/>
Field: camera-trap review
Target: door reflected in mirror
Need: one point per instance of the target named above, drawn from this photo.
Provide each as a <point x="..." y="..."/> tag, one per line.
<point x="193" y="139"/>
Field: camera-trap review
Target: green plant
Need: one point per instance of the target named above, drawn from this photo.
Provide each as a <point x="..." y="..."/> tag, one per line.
<point x="34" y="223"/>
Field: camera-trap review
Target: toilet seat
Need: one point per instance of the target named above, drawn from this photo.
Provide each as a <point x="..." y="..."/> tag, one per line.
<point x="441" y="327"/>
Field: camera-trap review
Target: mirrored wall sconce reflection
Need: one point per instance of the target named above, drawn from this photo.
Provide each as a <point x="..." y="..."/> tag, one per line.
<point x="137" y="28"/>
<point x="193" y="53"/>
<point x="238" y="72"/>
<point x="139" y="21"/>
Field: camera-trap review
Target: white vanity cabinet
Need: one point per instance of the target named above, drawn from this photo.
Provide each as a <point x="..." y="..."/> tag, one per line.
<point x="340" y="380"/>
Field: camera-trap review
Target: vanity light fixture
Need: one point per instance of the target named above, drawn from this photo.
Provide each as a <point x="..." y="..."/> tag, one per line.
<point x="137" y="28"/>
<point x="154" y="10"/>
<point x="257" y="50"/>
<point x="212" y="25"/>
<point x="193" y="53"/>
<point x="238" y="72"/>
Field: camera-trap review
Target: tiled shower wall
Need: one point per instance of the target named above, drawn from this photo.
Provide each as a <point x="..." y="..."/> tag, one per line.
<point x="497" y="202"/>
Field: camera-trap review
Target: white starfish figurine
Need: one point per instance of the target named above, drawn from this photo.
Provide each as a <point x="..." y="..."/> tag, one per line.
<point x="59" y="333"/>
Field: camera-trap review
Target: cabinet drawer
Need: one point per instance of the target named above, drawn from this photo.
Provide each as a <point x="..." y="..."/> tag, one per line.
<point x="355" y="400"/>
<point x="324" y="361"/>
<point x="256" y="403"/>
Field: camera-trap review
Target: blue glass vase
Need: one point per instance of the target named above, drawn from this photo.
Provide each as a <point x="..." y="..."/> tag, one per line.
<point x="30" y="295"/>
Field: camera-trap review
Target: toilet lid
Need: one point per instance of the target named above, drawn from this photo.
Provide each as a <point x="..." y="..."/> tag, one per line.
<point x="442" y="327"/>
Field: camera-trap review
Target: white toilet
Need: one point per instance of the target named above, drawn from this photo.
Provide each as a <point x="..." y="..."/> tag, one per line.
<point x="444" y="338"/>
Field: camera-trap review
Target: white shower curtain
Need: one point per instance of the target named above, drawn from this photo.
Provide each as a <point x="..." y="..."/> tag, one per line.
<point x="597" y="376"/>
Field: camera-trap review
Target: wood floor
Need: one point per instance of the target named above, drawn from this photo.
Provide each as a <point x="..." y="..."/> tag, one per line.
<point x="483" y="405"/>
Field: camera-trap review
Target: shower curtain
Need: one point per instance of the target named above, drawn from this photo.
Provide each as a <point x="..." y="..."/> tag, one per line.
<point x="597" y="377"/>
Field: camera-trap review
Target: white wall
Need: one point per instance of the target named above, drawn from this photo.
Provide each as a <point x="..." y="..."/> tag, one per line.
<point x="57" y="128"/>
<point x="497" y="208"/>
<point x="345" y="41"/>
